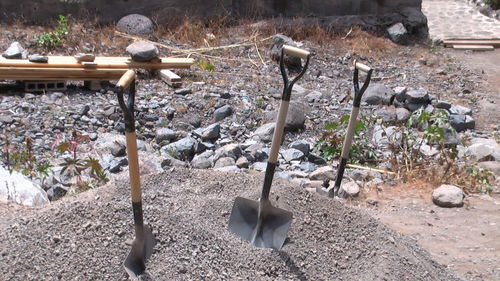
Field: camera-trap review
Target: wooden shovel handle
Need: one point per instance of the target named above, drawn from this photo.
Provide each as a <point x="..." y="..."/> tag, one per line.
<point x="296" y="52"/>
<point x="126" y="79"/>
<point x="133" y="164"/>
<point x="362" y="67"/>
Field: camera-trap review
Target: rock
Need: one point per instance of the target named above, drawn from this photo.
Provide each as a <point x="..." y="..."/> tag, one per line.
<point x="448" y="196"/>
<point x="291" y="62"/>
<point x="165" y="134"/>
<point x="203" y="146"/>
<point x="402" y="114"/>
<point x="316" y="159"/>
<point x="84" y="110"/>
<point x="441" y="104"/>
<point x="38" y="59"/>
<point x="255" y="153"/>
<point x="224" y="162"/>
<point x="415" y="106"/>
<point x="182" y="92"/>
<point x="232" y="168"/>
<point x="118" y="149"/>
<point x="349" y="189"/>
<point x="398" y="33"/>
<point x="170" y="161"/>
<point x="493" y="166"/>
<point x="232" y="150"/>
<point x="6" y="119"/>
<point x="82" y="57"/>
<point x="182" y="149"/>
<point x="419" y="96"/>
<point x="265" y="132"/>
<point x="115" y="166"/>
<point x="314" y="96"/>
<point x="56" y="191"/>
<point x="301" y="145"/>
<point x="242" y="162"/>
<point x="308" y="167"/>
<point x="15" y="51"/>
<point x="322" y="174"/>
<point x="142" y="51"/>
<point x="259" y="166"/>
<point x="295" y="118"/>
<point x="461" y="110"/>
<point x="377" y="93"/>
<point x="203" y="161"/>
<point x="211" y="132"/>
<point x="223" y="112"/>
<point x="387" y="114"/>
<point x="400" y="93"/>
<point x="292" y="154"/>
<point x="383" y="136"/>
<point x="16" y="188"/>
<point x="483" y="150"/>
<point x="462" y="122"/>
<point x="135" y="24"/>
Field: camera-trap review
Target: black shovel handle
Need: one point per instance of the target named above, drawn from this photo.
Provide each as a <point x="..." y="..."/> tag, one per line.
<point x="358" y="94"/>
<point x="127" y="80"/>
<point x="280" y="122"/>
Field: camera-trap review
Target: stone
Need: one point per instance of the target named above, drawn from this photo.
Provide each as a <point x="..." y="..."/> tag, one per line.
<point x="182" y="149"/>
<point x="291" y="62"/>
<point x="483" y="150"/>
<point x="415" y="106"/>
<point x="387" y="114"/>
<point x="6" y="119"/>
<point x="462" y="122"/>
<point x="15" y="51"/>
<point x="222" y="112"/>
<point x="402" y="114"/>
<point x="265" y="132"/>
<point x="461" y="110"/>
<point x="170" y="161"/>
<point x="115" y="166"/>
<point x="322" y="174"/>
<point x="16" y="188"/>
<point x="203" y="161"/>
<point x="118" y="149"/>
<point x="493" y="166"/>
<point x="377" y="93"/>
<point x="203" y="146"/>
<point x="292" y="154"/>
<point x="242" y="162"/>
<point x="301" y="145"/>
<point x="142" y="51"/>
<point x="308" y="167"/>
<point x="448" y="196"/>
<point x="441" y="104"/>
<point x="314" y="96"/>
<point x="400" y="93"/>
<point x="419" y="96"/>
<point x="211" y="132"/>
<point x="316" y="159"/>
<point x="82" y="57"/>
<point x="135" y="24"/>
<point x="224" y="162"/>
<point x="165" y="134"/>
<point x="398" y="33"/>
<point x="349" y="189"/>
<point x="182" y="92"/>
<point x="232" y="150"/>
<point x="38" y="59"/>
<point x="383" y="136"/>
<point x="255" y="153"/>
<point x="295" y="118"/>
<point x="259" y="166"/>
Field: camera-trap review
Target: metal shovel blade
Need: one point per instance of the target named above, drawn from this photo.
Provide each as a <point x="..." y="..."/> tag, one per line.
<point x="141" y="250"/>
<point x="269" y="230"/>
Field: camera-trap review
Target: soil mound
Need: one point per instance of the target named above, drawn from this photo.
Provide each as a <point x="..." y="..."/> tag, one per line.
<point x="82" y="239"/>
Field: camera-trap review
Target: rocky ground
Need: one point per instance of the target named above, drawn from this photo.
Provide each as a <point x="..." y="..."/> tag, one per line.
<point x="221" y="119"/>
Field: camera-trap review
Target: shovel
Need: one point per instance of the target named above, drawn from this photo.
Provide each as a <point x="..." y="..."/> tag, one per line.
<point x="358" y="94"/>
<point x="144" y="241"/>
<point x="264" y="225"/>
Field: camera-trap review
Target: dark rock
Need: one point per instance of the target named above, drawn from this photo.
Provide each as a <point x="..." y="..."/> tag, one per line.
<point x="301" y="145"/>
<point x="202" y="146"/>
<point x="265" y="132"/>
<point x="211" y="132"/>
<point x="15" y="51"/>
<point x="398" y="33"/>
<point x="415" y="106"/>
<point x="316" y="159"/>
<point x="377" y="93"/>
<point x="120" y="127"/>
<point x="142" y="51"/>
<point x="419" y="96"/>
<point x="182" y="92"/>
<point x="135" y="24"/>
<point x="150" y="117"/>
<point x="85" y="110"/>
<point x="462" y="122"/>
<point x="182" y="149"/>
<point x="292" y="154"/>
<point x="203" y="161"/>
<point x="170" y="161"/>
<point x="441" y="104"/>
<point x="291" y="62"/>
<point x="400" y="94"/>
<point x="116" y="165"/>
<point x="223" y="112"/>
<point x="38" y="59"/>
<point x="118" y="149"/>
<point x="165" y="134"/>
<point x="460" y="110"/>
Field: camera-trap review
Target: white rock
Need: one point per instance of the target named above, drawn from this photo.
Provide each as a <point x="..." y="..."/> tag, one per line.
<point x="349" y="189"/>
<point x="448" y="196"/>
<point x="19" y="189"/>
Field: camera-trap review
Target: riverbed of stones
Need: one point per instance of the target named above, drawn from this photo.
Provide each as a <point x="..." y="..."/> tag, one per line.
<point x="224" y="120"/>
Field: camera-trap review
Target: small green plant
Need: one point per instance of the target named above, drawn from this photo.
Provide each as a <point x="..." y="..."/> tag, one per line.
<point x="330" y="144"/>
<point x="56" y="37"/>
<point x="480" y="179"/>
<point x="495" y="4"/>
<point x="206" y="65"/>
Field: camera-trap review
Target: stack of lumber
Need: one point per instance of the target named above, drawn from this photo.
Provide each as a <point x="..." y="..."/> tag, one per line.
<point x="68" y="68"/>
<point x="476" y="45"/>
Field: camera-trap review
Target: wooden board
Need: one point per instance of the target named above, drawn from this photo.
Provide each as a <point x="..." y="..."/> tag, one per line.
<point x="474" y="47"/>
<point x="172" y="79"/>
<point x="450" y="43"/>
<point x="100" y="62"/>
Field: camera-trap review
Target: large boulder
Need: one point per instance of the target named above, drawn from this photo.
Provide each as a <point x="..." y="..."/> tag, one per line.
<point x="135" y="24"/>
<point x="16" y="188"/>
<point x="448" y="196"/>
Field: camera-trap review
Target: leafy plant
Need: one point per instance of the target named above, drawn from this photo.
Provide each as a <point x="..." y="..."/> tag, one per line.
<point x="56" y="37"/>
<point x="330" y="144"/>
<point x="495" y="4"/>
<point x="206" y="65"/>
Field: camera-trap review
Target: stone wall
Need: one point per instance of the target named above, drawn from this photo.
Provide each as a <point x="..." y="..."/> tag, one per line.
<point x="378" y="11"/>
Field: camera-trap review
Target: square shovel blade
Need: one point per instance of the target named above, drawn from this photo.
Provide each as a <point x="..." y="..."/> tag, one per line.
<point x="274" y="224"/>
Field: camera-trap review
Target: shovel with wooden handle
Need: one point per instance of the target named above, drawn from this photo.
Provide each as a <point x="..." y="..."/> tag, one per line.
<point x="142" y="246"/>
<point x="351" y="128"/>
<point x="258" y="222"/>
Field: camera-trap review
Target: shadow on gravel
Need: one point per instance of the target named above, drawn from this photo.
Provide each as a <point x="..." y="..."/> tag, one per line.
<point x="292" y="266"/>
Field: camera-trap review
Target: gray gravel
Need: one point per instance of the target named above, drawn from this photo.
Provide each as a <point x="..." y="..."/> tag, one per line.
<point x="79" y="239"/>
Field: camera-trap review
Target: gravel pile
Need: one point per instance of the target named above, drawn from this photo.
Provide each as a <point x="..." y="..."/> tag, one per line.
<point x="78" y="238"/>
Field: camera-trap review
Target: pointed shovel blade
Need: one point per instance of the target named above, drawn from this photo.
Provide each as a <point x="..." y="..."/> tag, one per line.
<point x="270" y="232"/>
<point x="142" y="249"/>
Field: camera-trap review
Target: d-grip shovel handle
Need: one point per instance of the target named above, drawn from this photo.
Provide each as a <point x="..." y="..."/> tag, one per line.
<point x="280" y="122"/>
<point x="127" y="80"/>
<point x="358" y="94"/>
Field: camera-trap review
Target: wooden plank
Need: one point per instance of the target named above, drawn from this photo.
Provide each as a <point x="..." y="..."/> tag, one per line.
<point x="474" y="47"/>
<point x="494" y="43"/>
<point x="170" y="78"/>
<point x="100" y="62"/>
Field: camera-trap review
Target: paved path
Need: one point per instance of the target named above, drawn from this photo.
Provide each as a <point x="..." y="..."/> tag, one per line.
<point x="457" y="19"/>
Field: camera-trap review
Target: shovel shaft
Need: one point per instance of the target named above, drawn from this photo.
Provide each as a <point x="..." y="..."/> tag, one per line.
<point x="133" y="164"/>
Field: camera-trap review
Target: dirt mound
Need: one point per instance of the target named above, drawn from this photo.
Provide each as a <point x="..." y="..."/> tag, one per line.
<point x="78" y="239"/>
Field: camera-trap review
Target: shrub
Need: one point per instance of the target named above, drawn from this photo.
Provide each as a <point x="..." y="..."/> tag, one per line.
<point x="56" y="37"/>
